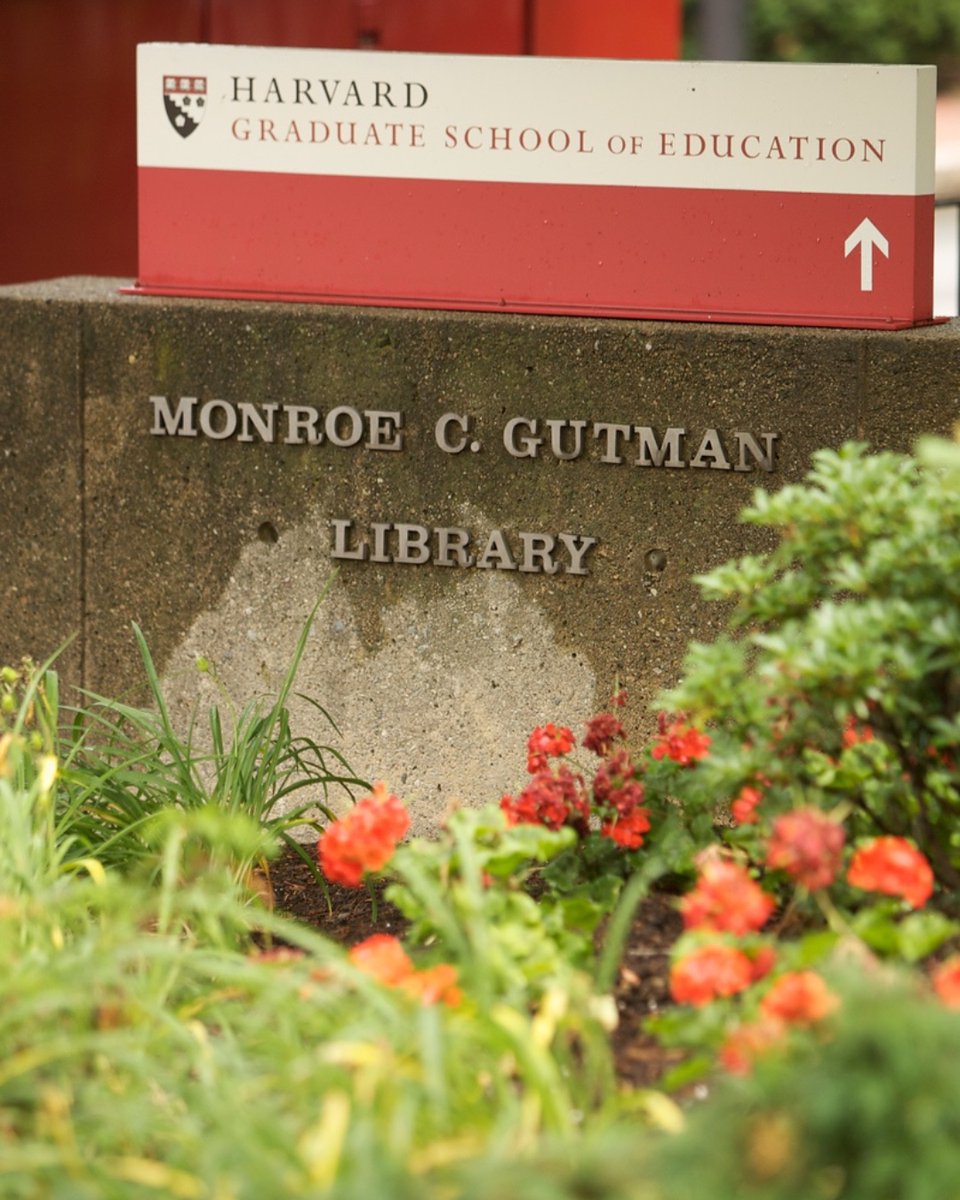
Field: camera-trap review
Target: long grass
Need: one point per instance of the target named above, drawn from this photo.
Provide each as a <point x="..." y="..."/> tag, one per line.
<point x="122" y="765"/>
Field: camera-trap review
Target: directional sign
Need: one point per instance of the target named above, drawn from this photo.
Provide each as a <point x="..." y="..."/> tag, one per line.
<point x="744" y="192"/>
<point x="867" y="237"/>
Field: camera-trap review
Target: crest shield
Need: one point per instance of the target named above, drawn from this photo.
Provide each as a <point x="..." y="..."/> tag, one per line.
<point x="185" y="100"/>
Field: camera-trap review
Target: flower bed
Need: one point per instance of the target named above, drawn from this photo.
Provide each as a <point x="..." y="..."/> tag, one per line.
<point x="781" y="858"/>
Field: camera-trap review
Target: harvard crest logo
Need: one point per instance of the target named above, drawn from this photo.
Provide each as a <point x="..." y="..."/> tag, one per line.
<point x="185" y="99"/>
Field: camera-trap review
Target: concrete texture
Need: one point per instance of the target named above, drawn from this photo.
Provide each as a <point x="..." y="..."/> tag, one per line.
<point x="41" y="473"/>
<point x="435" y="675"/>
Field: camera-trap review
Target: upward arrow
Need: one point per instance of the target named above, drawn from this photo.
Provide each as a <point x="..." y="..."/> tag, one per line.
<point x="866" y="236"/>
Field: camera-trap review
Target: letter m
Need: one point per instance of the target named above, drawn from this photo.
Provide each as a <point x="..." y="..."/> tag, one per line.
<point x="174" y="424"/>
<point x="666" y="454"/>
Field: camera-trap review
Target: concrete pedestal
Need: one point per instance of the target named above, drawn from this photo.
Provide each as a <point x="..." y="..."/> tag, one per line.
<point x="514" y="506"/>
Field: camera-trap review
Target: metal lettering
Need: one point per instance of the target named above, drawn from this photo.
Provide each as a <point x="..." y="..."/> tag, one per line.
<point x="413" y="545"/>
<point x="603" y="429"/>
<point x="332" y="426"/>
<point x="450" y="546"/>
<point x="261" y="417"/>
<point x="452" y="543"/>
<point x="207" y="426"/>
<point x="340" y="537"/>
<point x="652" y="455"/>
<point x="379" y="552"/>
<point x="528" y="446"/>
<point x="178" y="424"/>
<point x="384" y="431"/>
<point x="440" y="432"/>
<point x="747" y="443"/>
<point x="302" y="421"/>
<point x="556" y="438"/>
<point x="578" y="547"/>
<point x="710" y="453"/>
<point x="538" y="547"/>
<point x="496" y="554"/>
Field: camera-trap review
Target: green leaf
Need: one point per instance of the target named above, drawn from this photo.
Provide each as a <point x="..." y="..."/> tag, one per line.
<point x="877" y="927"/>
<point x="919" y="934"/>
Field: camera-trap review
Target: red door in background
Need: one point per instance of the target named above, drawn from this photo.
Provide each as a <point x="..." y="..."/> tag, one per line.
<point x="67" y="106"/>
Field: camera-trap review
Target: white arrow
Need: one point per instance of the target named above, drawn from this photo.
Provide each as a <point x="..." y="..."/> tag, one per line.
<point x="866" y="236"/>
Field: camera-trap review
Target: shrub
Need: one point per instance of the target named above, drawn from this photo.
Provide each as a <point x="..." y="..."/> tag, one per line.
<point x="834" y="716"/>
<point x="880" y="31"/>
<point x="868" y="31"/>
<point x="874" y="1114"/>
<point x="837" y="683"/>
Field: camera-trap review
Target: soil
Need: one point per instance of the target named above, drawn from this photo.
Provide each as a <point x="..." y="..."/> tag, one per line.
<point x="641" y="988"/>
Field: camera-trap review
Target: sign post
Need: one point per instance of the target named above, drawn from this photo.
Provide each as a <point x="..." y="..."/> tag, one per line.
<point x="735" y="192"/>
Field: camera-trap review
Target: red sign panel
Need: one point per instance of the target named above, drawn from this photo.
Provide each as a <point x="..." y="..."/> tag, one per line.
<point x="691" y="191"/>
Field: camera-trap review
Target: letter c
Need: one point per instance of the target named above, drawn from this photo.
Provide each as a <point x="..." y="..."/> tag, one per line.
<point x="440" y="432"/>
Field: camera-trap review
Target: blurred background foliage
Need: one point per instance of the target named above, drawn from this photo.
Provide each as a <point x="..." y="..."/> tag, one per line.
<point x="871" y="31"/>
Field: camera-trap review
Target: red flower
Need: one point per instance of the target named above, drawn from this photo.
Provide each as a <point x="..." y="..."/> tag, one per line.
<point x="550" y="800"/>
<point x="799" y="998"/>
<point x="808" y="846"/>
<point x="683" y="743"/>
<point x="709" y="972"/>
<point x="363" y="839"/>
<point x="746" y="1043"/>
<point x="615" y="784"/>
<point x="628" y="830"/>
<point x="762" y="962"/>
<point x="547" y="742"/>
<point x="946" y="981"/>
<point x="745" y="805"/>
<point x="602" y="731"/>
<point x="892" y="866"/>
<point x="854" y="734"/>
<point x="726" y="899"/>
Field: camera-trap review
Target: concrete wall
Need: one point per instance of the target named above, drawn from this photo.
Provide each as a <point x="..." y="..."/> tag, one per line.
<point x="435" y="673"/>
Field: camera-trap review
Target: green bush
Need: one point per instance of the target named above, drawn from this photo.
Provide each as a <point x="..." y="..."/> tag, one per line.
<point x="872" y="1115"/>
<point x="838" y="681"/>
<point x="866" y="31"/>
<point x="880" y="31"/>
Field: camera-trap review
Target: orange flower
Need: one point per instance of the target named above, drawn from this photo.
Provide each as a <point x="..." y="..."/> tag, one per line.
<point x="946" y="981"/>
<point x="854" y="734"/>
<point x="683" y="743"/>
<point x="762" y="962"/>
<point x="746" y="1043"/>
<point x="709" y="972"/>
<point x="745" y="806"/>
<point x="364" y="839"/>
<point x="892" y="866"/>
<point x="799" y="998"/>
<point x="726" y="899"/>
<point x="383" y="958"/>
<point x="807" y="845"/>
<point x="433" y="984"/>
